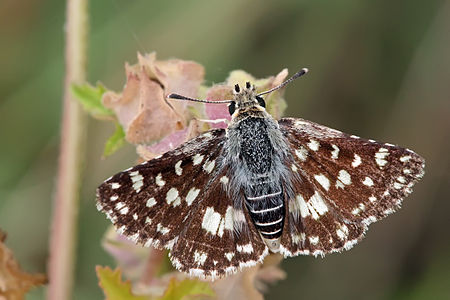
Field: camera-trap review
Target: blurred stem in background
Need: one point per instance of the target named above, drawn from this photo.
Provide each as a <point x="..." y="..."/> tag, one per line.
<point x="65" y="211"/>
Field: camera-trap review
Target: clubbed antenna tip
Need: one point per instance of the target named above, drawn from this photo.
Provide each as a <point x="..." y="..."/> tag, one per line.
<point x="295" y="76"/>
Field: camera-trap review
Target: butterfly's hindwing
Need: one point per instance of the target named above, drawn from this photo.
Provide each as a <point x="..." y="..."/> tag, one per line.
<point x="342" y="183"/>
<point x="219" y="239"/>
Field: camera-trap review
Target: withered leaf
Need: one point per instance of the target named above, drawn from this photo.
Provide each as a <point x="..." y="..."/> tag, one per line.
<point x="14" y="282"/>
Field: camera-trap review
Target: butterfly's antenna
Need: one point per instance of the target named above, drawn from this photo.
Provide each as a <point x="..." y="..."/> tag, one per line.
<point x="295" y="76"/>
<point x="180" y="97"/>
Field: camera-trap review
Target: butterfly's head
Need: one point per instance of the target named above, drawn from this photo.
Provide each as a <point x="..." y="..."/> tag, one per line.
<point x="246" y="99"/>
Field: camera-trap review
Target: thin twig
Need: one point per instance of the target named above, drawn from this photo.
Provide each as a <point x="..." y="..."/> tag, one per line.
<point x="65" y="211"/>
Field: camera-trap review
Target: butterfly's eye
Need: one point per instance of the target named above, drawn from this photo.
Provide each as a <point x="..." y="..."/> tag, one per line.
<point x="261" y="101"/>
<point x="232" y="108"/>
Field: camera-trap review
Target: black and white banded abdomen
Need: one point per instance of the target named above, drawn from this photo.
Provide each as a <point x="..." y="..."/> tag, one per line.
<point x="265" y="203"/>
<point x="264" y="197"/>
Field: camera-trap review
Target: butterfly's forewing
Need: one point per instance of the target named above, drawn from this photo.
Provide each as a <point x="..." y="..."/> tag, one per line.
<point x="151" y="202"/>
<point x="178" y="202"/>
<point x="344" y="183"/>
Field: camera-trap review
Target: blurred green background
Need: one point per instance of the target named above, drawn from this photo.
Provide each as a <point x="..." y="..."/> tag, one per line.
<point x="378" y="69"/>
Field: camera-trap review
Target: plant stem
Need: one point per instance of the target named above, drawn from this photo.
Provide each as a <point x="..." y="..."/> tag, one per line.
<point x="65" y="211"/>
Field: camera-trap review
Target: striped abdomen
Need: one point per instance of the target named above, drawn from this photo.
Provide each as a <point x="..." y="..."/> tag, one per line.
<point x="265" y="203"/>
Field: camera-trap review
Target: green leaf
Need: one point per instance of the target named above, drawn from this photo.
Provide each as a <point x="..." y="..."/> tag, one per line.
<point x="113" y="287"/>
<point x="91" y="99"/>
<point x="187" y="289"/>
<point x="115" y="142"/>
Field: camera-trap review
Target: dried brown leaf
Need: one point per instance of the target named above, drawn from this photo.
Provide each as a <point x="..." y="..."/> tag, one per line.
<point x="15" y="283"/>
<point x="171" y="141"/>
<point x="142" y="109"/>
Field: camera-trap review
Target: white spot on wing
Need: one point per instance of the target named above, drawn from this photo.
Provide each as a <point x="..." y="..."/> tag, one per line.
<point x="229" y="255"/>
<point x="151" y="202"/>
<point x="401" y="179"/>
<point x="211" y="220"/>
<point x="137" y="180"/>
<point x="317" y="206"/>
<point x="162" y="229"/>
<point x="115" y="185"/>
<point x="159" y="181"/>
<point x="197" y="159"/>
<point x="314" y="240"/>
<point x="229" y="218"/>
<point x="314" y="207"/>
<point x="361" y="207"/>
<point x="335" y="152"/>
<point x="124" y="210"/>
<point x="339" y="184"/>
<point x="313" y="145"/>
<point x="192" y="194"/>
<point x="342" y="232"/>
<point x="114" y="198"/>
<point x="323" y="180"/>
<point x="344" y="177"/>
<point x="172" y="197"/>
<point x="178" y="169"/>
<point x="356" y="161"/>
<point x="224" y="180"/>
<point x="221" y="227"/>
<point x="301" y="153"/>
<point x="304" y="211"/>
<point x="405" y="158"/>
<point x="248" y="248"/>
<point x="297" y="239"/>
<point x="200" y="257"/>
<point x="209" y="166"/>
<point x="397" y="185"/>
<point x="380" y="157"/>
<point x="368" y="181"/>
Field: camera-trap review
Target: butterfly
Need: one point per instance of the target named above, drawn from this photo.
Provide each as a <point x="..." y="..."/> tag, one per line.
<point x="229" y="197"/>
